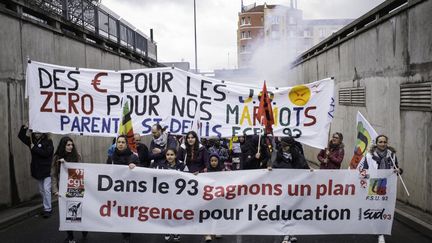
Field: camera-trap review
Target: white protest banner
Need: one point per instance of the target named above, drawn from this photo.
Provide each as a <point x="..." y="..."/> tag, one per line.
<point x="113" y="198"/>
<point x="68" y="100"/>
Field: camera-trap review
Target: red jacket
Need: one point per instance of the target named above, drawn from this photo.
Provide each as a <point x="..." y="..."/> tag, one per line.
<point x="334" y="159"/>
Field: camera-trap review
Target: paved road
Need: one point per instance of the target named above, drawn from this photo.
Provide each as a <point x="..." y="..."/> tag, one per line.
<point x="39" y="230"/>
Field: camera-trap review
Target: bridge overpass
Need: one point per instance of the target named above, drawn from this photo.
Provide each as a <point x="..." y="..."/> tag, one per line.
<point x="71" y="33"/>
<point x="382" y="64"/>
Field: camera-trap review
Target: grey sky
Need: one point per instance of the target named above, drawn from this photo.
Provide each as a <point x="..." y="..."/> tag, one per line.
<point x="172" y="24"/>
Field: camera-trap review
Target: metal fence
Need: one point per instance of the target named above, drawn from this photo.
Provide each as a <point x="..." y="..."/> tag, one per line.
<point x="89" y="16"/>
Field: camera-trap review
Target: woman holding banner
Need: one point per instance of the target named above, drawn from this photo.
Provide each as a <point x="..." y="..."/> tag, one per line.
<point x="193" y="154"/>
<point x="380" y="156"/>
<point x="332" y="156"/>
<point x="123" y="156"/>
<point x="65" y="152"/>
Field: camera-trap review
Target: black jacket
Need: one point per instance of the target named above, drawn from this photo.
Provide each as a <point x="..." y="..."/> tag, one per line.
<point x="123" y="157"/>
<point x="143" y="155"/>
<point x="293" y="159"/>
<point x="249" y="149"/>
<point x="159" y="158"/>
<point x="41" y="154"/>
<point x="196" y="164"/>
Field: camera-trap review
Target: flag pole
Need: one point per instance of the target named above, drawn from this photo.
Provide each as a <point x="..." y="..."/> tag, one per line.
<point x="399" y="175"/>
<point x="259" y="138"/>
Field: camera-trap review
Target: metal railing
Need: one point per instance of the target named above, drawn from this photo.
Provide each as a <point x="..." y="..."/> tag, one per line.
<point x="372" y="18"/>
<point x="92" y="18"/>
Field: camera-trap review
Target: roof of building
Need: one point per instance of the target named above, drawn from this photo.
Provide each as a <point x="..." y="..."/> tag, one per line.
<point x="259" y="8"/>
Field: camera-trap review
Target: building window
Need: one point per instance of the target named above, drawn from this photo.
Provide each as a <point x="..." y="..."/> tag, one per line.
<point x="274" y="19"/>
<point x="322" y="33"/>
<point x="291" y="20"/>
<point x="245" y="35"/>
<point x="249" y="20"/>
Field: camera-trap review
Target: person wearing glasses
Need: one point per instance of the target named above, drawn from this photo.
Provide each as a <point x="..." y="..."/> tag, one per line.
<point x="332" y="156"/>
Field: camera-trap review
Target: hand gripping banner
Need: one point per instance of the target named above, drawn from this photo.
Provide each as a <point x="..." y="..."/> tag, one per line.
<point x="67" y="100"/>
<point x="113" y="198"/>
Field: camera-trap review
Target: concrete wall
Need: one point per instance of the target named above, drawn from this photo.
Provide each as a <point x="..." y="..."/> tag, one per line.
<point x="396" y="51"/>
<point x="21" y="39"/>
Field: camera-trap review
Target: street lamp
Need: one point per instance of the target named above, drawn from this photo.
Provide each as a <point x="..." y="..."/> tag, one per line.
<point x="196" y="59"/>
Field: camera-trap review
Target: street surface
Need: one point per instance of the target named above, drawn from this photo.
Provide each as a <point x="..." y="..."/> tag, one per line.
<point x="39" y="230"/>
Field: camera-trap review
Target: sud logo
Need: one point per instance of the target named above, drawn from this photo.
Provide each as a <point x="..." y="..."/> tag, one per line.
<point x="377" y="186"/>
<point x="375" y="214"/>
<point x="75" y="183"/>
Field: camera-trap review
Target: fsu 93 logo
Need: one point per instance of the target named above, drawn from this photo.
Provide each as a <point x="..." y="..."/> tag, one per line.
<point x="378" y="186"/>
<point x="75" y="183"/>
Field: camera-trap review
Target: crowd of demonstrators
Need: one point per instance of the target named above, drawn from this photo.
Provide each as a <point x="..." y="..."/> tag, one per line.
<point x="191" y="155"/>
<point x="41" y="149"/>
<point x="332" y="156"/>
<point x="65" y="152"/>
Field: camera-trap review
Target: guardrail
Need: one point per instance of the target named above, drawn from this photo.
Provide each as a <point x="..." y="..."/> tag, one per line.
<point x="91" y="22"/>
<point x="369" y="20"/>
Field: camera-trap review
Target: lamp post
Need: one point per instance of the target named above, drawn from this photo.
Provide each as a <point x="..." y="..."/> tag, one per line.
<point x="196" y="59"/>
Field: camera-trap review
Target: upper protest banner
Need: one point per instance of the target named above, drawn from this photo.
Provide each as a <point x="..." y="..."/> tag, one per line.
<point x="68" y="100"/>
<point x="114" y="198"/>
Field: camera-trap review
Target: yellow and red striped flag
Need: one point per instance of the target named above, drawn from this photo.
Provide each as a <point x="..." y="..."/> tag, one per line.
<point x="126" y="127"/>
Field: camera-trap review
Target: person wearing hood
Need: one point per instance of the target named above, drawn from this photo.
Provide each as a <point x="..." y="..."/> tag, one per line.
<point x="215" y="164"/>
<point x="41" y="149"/>
<point x="193" y="154"/>
<point x="332" y="156"/>
<point x="251" y="158"/>
<point x="289" y="155"/>
<point x="235" y="151"/>
<point x="122" y="155"/>
<point x="160" y="143"/>
<point x="217" y="148"/>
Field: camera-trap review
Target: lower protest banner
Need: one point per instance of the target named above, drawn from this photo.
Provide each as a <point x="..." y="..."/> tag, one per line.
<point x="114" y="198"/>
